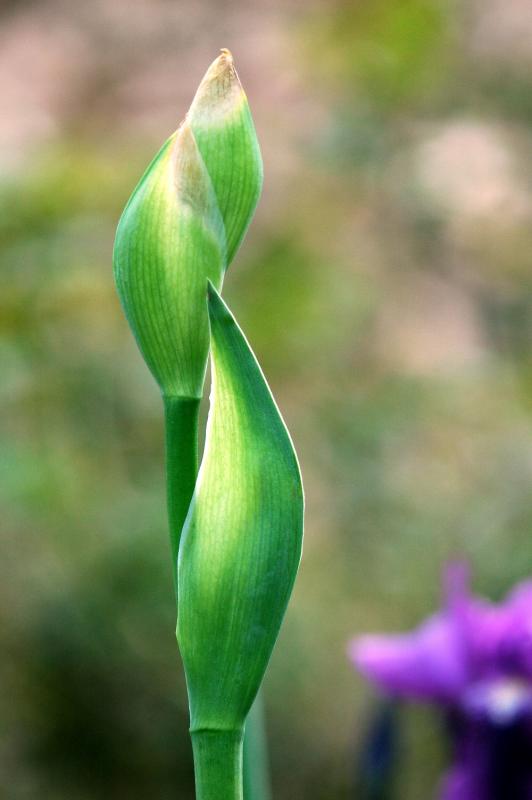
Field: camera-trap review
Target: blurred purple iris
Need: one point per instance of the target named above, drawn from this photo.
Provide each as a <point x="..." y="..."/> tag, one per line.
<point x="473" y="659"/>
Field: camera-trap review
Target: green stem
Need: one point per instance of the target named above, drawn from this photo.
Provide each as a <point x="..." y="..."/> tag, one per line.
<point x="256" y="768"/>
<point x="218" y="764"/>
<point x="181" y="428"/>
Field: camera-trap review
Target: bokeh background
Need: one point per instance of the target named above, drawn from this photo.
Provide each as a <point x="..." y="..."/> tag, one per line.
<point x="385" y="285"/>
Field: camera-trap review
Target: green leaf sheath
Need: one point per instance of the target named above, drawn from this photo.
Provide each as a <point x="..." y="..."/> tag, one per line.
<point x="181" y="429"/>
<point x="241" y="544"/>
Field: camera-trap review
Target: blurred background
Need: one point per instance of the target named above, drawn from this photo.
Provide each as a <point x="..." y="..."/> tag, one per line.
<point x="386" y="288"/>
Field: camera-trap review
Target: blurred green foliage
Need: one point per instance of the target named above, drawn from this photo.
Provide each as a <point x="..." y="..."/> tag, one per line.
<point x="391" y="52"/>
<point x="386" y="288"/>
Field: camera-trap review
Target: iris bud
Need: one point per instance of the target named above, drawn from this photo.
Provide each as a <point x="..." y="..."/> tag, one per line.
<point x="182" y="226"/>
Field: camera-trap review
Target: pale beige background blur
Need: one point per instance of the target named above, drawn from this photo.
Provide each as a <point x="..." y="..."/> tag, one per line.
<point x="385" y="285"/>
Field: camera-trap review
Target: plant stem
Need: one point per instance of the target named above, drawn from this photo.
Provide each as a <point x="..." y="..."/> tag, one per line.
<point x="256" y="768"/>
<point x="218" y="764"/>
<point x="181" y="430"/>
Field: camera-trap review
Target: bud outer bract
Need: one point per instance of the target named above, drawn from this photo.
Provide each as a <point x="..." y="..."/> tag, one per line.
<point x="170" y="239"/>
<point x="241" y="543"/>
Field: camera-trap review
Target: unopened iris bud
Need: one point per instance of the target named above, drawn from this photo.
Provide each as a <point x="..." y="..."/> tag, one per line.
<point x="182" y="226"/>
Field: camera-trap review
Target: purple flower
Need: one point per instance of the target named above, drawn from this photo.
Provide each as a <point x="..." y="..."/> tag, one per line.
<point x="474" y="660"/>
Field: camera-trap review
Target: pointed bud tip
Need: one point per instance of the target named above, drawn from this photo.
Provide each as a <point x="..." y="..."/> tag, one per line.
<point x="219" y="94"/>
<point x="189" y="170"/>
<point x="226" y="54"/>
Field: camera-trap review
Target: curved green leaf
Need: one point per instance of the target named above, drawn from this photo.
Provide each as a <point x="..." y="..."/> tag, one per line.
<point x="241" y="543"/>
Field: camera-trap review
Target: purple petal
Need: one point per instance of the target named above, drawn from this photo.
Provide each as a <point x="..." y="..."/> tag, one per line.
<point x="517" y="641"/>
<point x="427" y="664"/>
<point x="520" y="598"/>
<point x="501" y="701"/>
<point x="485" y="629"/>
<point x="460" y="784"/>
<point x="499" y="638"/>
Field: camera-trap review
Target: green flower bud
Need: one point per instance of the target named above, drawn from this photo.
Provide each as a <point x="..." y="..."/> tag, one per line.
<point x="223" y="128"/>
<point x="241" y="543"/>
<point x="182" y="225"/>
